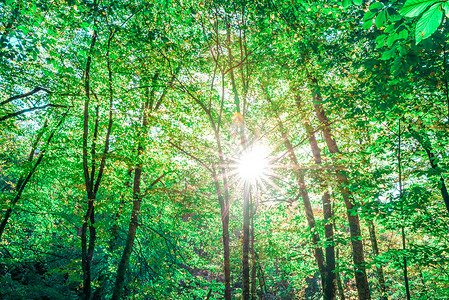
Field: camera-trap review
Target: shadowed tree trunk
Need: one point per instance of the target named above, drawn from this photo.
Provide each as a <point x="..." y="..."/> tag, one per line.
<point x="341" y="292"/>
<point x="380" y="271"/>
<point x="253" y="257"/>
<point x="93" y="178"/>
<point x="351" y="213"/>
<point x="133" y="224"/>
<point x="330" y="284"/>
<point x="407" y="288"/>
<point x="318" y="251"/>
<point x="148" y="107"/>
<point x="87" y="254"/>
<point x="245" y="242"/>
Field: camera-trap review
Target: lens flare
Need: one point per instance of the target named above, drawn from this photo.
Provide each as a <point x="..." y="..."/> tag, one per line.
<point x="253" y="164"/>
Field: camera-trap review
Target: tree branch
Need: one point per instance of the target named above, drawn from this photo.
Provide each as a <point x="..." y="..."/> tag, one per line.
<point x="20" y="112"/>
<point x="34" y="91"/>
<point x="191" y="155"/>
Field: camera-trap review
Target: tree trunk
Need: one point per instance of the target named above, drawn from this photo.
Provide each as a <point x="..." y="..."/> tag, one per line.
<point x="87" y="250"/>
<point x="88" y="179"/>
<point x="318" y="251"/>
<point x="330" y="284"/>
<point x="407" y="288"/>
<point x="330" y="287"/>
<point x="341" y="292"/>
<point x="18" y="195"/>
<point x="263" y="286"/>
<point x="253" y="258"/>
<point x="353" y="218"/>
<point x="137" y="196"/>
<point x="245" y="250"/>
<point x="114" y="229"/>
<point x="222" y="192"/>
<point x="133" y="224"/>
<point x="246" y="208"/>
<point x="226" y="256"/>
<point x="380" y="271"/>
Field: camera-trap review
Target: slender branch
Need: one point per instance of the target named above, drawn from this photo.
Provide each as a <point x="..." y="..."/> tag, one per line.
<point x="191" y="155"/>
<point x="86" y="114"/>
<point x="154" y="183"/>
<point x="34" y="91"/>
<point x="108" y="133"/>
<point x="21" y="112"/>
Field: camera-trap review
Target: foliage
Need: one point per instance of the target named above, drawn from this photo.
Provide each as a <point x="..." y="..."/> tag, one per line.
<point x="189" y="86"/>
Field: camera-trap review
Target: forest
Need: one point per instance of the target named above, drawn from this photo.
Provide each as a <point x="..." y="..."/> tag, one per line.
<point x="215" y="149"/>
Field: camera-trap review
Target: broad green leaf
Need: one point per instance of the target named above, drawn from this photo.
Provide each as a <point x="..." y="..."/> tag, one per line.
<point x="413" y="8"/>
<point x="390" y="28"/>
<point x="380" y="19"/>
<point x="391" y="39"/>
<point x="403" y="34"/>
<point x="381" y="39"/>
<point x="396" y="66"/>
<point x="388" y="54"/>
<point x="376" y="6"/>
<point x="368" y="15"/>
<point x="367" y="24"/>
<point x="428" y="23"/>
<point x="394" y="17"/>
<point x="357" y="2"/>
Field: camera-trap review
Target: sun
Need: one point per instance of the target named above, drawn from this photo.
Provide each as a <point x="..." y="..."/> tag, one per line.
<point x="253" y="164"/>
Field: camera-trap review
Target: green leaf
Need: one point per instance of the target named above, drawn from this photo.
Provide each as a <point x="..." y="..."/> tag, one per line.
<point x="367" y="24"/>
<point x="428" y="23"/>
<point x="346" y="3"/>
<point x="391" y="39"/>
<point x="394" y="17"/>
<point x="403" y="34"/>
<point x="368" y="15"/>
<point x="396" y="66"/>
<point x="389" y="28"/>
<point x="413" y="8"/>
<point x="357" y="2"/>
<point x="380" y="19"/>
<point x="376" y="6"/>
<point x="381" y="39"/>
<point x="388" y="54"/>
<point x="445" y="5"/>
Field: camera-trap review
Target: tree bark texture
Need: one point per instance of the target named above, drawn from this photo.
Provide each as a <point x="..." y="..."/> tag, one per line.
<point x="318" y="251"/>
<point x="353" y="218"/>
<point x="137" y="196"/>
<point x="330" y="284"/>
<point x="253" y="257"/>
<point x="245" y="249"/>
